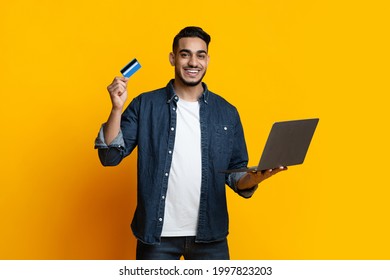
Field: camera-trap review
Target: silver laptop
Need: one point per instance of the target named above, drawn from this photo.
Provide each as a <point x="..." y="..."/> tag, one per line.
<point x="287" y="145"/>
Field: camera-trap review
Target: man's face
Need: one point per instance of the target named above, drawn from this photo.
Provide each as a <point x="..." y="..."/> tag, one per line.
<point x="190" y="60"/>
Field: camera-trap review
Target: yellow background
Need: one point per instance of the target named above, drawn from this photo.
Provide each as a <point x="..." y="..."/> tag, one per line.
<point x="274" y="60"/>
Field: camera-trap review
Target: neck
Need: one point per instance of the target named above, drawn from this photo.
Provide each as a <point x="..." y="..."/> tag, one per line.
<point x="188" y="93"/>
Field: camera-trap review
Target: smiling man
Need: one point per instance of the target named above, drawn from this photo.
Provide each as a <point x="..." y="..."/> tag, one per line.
<point x="190" y="59"/>
<point x="185" y="134"/>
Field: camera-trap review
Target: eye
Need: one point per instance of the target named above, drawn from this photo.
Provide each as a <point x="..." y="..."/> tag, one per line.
<point x="201" y="56"/>
<point x="184" y="55"/>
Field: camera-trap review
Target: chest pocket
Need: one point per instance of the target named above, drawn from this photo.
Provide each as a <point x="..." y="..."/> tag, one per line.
<point x="223" y="139"/>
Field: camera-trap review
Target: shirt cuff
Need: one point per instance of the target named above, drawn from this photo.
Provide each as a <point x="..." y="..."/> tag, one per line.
<point x="246" y="193"/>
<point x="101" y="144"/>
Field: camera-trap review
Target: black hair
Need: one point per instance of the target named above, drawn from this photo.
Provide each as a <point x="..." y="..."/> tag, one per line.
<point x="191" y="31"/>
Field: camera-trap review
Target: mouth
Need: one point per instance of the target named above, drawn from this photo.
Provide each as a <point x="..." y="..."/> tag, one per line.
<point x="191" y="72"/>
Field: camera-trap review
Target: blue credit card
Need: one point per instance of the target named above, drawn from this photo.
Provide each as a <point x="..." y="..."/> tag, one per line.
<point x="132" y="67"/>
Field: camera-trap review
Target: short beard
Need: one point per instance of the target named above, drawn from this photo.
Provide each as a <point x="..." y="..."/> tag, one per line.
<point x="191" y="84"/>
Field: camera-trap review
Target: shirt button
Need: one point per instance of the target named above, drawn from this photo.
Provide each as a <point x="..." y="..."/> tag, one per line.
<point x="176" y="98"/>
<point x="166" y="174"/>
<point x="160" y="219"/>
<point x="163" y="197"/>
<point x="172" y="128"/>
<point x="225" y="128"/>
<point x="174" y="109"/>
<point x="170" y="152"/>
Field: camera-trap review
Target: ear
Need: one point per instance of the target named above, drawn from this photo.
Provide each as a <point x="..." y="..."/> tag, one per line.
<point x="172" y="58"/>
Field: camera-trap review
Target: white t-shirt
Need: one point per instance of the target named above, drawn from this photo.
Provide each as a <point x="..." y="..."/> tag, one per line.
<point x="183" y="195"/>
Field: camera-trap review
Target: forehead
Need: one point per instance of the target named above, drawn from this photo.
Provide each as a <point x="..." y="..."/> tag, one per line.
<point x="194" y="44"/>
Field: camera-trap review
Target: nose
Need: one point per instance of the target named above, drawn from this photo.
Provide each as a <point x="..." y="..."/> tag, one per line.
<point x="193" y="62"/>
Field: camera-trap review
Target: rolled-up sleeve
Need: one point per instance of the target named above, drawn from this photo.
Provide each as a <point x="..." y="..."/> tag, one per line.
<point x="126" y="140"/>
<point x="110" y="155"/>
<point x="101" y="144"/>
<point x="233" y="179"/>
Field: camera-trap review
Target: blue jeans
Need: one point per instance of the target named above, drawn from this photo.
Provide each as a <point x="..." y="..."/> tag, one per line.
<point x="173" y="248"/>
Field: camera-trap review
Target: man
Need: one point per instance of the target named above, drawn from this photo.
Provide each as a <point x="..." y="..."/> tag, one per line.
<point x="185" y="135"/>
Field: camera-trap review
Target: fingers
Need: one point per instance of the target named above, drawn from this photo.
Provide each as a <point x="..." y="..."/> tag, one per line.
<point x="254" y="177"/>
<point x="120" y="78"/>
<point x="277" y="170"/>
<point x="269" y="172"/>
<point x="118" y="86"/>
<point x="118" y="92"/>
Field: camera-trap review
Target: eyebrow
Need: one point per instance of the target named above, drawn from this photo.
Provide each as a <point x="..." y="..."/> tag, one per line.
<point x="189" y="51"/>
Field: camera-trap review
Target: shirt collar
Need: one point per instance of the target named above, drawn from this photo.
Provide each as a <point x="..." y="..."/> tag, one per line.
<point x="171" y="95"/>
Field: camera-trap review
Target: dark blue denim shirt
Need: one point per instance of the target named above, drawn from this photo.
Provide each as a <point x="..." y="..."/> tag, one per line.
<point x="149" y="122"/>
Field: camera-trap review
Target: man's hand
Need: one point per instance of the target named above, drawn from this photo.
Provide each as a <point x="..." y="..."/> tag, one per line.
<point x="251" y="179"/>
<point x="118" y="95"/>
<point x="118" y="92"/>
